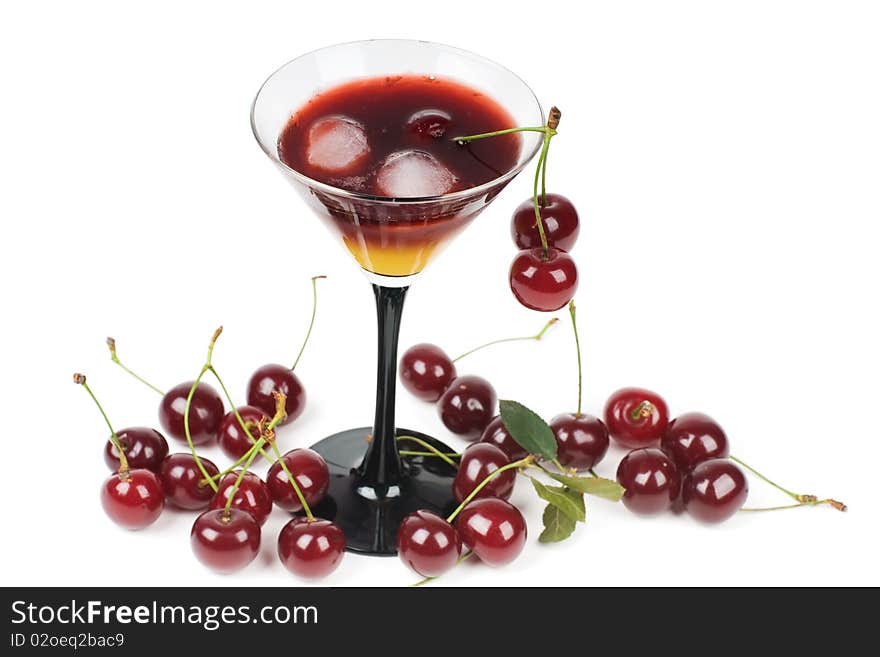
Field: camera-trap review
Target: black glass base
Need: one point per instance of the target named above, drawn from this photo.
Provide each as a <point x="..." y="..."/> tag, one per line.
<point x="370" y="525"/>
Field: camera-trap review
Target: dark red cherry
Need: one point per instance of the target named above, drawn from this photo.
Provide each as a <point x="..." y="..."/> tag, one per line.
<point x="543" y="283"/>
<point x="276" y="378"/>
<point x="205" y="412"/>
<point x="429" y="124"/>
<point x="311" y="549"/>
<point x="252" y="495"/>
<point x="144" y="448"/>
<point x="428" y="544"/>
<point x="133" y="499"/>
<point x="468" y="406"/>
<point x="715" y="490"/>
<point x="560" y="220"/>
<point x="494" y="529"/>
<point x="225" y="542"/>
<point x="233" y="440"/>
<point x="636" y="417"/>
<point x="581" y="440"/>
<point x="311" y="474"/>
<point x="496" y="434"/>
<point x="692" y="438"/>
<point x="426" y="371"/>
<point x="651" y="481"/>
<point x="477" y="462"/>
<point x="182" y="481"/>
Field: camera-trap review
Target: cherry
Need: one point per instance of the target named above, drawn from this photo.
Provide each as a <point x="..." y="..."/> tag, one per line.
<point x="205" y="412"/>
<point x="581" y="440"/>
<point x="426" y="371"/>
<point x="252" y="495"/>
<point x="181" y="480"/>
<point x="428" y="544"/>
<point x="496" y="434"/>
<point x="429" y="123"/>
<point x="233" y="440"/>
<point x="560" y="219"/>
<point x="311" y="474"/>
<point x="225" y="541"/>
<point x="276" y="378"/>
<point x="468" y="406"/>
<point x="144" y="448"/>
<point x="133" y="498"/>
<point x="651" y="481"/>
<point x="494" y="529"/>
<point x="477" y="462"/>
<point x="715" y="490"/>
<point x="636" y="417"/>
<point x="543" y="282"/>
<point x="311" y="548"/>
<point x="692" y="438"/>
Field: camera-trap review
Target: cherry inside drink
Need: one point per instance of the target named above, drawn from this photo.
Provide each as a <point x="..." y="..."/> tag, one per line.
<point x="390" y="138"/>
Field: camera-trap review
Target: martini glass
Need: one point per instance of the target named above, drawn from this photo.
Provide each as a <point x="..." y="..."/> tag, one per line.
<point x="372" y="488"/>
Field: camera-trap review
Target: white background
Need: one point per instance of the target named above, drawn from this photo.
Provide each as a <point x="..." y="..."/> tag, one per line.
<point x="724" y="158"/>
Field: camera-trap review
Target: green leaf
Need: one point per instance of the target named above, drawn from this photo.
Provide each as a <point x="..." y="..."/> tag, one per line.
<point x="557" y="525"/>
<point x="528" y="429"/>
<point x="569" y="502"/>
<point x="598" y="486"/>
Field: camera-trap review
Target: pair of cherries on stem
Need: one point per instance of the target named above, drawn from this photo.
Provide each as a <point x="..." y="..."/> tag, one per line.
<point x="492" y="528"/>
<point x="543" y="276"/>
<point x="466" y="404"/>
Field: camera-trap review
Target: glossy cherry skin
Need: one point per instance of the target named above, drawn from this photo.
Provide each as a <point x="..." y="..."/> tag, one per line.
<point x="636" y="417"/>
<point x="232" y="439"/>
<point x="276" y="378"/>
<point x="134" y="499"/>
<point x="311" y="473"/>
<point x="496" y="434"/>
<point x="560" y="220"/>
<point x="494" y="529"/>
<point x="181" y="481"/>
<point x="429" y="124"/>
<point x="715" y="490"/>
<point x="543" y="283"/>
<point x="477" y="462"/>
<point x="311" y="549"/>
<point x="225" y="542"/>
<point x="651" y="480"/>
<point x="144" y="448"/>
<point x="426" y="371"/>
<point x="205" y="412"/>
<point x="428" y="544"/>
<point x="468" y="406"/>
<point x="692" y="438"/>
<point x="581" y="440"/>
<point x="252" y="496"/>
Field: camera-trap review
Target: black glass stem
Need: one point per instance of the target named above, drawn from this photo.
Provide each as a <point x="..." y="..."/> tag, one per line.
<point x="381" y="468"/>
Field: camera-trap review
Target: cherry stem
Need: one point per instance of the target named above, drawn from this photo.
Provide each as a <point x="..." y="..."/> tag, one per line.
<point x="539" y="221"/>
<point x="643" y="410"/>
<point x="801" y="499"/>
<point x="406" y="452"/>
<point x="559" y="466"/>
<point x="537" y="336"/>
<point x="498" y="133"/>
<point x="267" y="434"/>
<point x="111" y="344"/>
<point x="296" y="489"/>
<point x="123" y="460"/>
<point x="577" y="343"/>
<point x="312" y="321"/>
<point x="235" y="412"/>
<point x="192" y="391"/>
<point x="422" y="582"/>
<point x="428" y="446"/>
<point x="522" y="463"/>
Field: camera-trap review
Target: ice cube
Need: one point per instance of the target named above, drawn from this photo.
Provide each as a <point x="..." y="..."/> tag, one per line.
<point x="337" y="144"/>
<point x="406" y="174"/>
